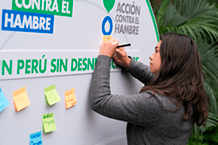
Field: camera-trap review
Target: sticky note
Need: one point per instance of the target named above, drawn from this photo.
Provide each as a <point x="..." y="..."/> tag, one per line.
<point x="3" y="101"/>
<point x="106" y="38"/>
<point x="48" y="122"/>
<point x="20" y="99"/>
<point x="51" y="95"/>
<point x="36" y="138"/>
<point x="70" y="98"/>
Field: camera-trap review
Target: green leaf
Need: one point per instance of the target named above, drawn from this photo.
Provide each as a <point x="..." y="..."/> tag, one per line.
<point x="108" y="4"/>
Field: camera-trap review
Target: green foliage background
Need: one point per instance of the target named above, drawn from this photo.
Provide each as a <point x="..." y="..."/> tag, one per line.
<point x="199" y="20"/>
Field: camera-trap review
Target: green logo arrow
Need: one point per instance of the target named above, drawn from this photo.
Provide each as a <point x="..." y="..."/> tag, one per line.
<point x="108" y="4"/>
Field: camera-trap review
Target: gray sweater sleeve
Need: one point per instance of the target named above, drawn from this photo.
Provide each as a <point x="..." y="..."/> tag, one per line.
<point x="138" y="108"/>
<point x="140" y="71"/>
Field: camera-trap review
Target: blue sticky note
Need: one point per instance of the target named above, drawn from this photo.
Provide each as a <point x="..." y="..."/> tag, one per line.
<point x="3" y="101"/>
<point x="36" y="138"/>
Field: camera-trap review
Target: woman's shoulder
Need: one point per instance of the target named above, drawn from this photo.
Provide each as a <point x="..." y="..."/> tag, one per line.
<point x="166" y="102"/>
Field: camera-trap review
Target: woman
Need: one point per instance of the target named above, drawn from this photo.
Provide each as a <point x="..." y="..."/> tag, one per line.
<point x="172" y="100"/>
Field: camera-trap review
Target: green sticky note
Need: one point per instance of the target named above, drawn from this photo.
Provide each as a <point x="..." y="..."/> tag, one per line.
<point x="48" y="123"/>
<point x="51" y="95"/>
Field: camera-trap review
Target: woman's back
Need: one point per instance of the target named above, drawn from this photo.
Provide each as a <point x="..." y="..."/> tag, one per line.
<point x="168" y="129"/>
<point x="147" y="115"/>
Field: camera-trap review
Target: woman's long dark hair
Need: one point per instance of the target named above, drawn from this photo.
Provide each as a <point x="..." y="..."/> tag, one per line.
<point x="180" y="77"/>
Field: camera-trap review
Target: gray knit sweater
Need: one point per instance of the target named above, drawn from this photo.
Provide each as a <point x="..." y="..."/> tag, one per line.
<point x="148" y="123"/>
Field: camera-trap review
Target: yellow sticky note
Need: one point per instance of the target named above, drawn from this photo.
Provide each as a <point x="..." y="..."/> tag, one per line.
<point x="48" y="122"/>
<point x="106" y="38"/>
<point x="20" y="99"/>
<point x="70" y="98"/>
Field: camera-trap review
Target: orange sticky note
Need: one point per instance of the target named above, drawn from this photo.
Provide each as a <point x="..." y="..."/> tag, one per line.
<point x="70" y="98"/>
<point x="20" y="99"/>
<point x="106" y="38"/>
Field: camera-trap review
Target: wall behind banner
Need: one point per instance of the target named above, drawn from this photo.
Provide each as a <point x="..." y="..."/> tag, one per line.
<point x="57" y="42"/>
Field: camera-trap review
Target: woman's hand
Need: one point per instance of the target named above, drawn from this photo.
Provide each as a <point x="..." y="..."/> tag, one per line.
<point x="121" y="57"/>
<point x="108" y="48"/>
